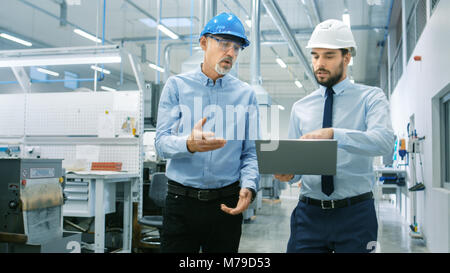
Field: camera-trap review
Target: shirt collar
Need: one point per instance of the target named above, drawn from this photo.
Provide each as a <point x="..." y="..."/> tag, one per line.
<point x="208" y="82"/>
<point x="337" y="88"/>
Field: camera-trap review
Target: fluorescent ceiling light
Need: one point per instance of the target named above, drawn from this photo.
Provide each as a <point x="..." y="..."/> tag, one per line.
<point x="60" y="60"/>
<point x="87" y="35"/>
<point x="176" y="22"/>
<point x="298" y="83"/>
<point x="168" y="22"/>
<point x="248" y="22"/>
<point x="99" y="69"/>
<point x="281" y="62"/>
<point x="154" y="66"/>
<point x="15" y="39"/>
<point x="46" y="71"/>
<point x="281" y="107"/>
<point x="106" y="88"/>
<point x="168" y="32"/>
<point x="346" y="18"/>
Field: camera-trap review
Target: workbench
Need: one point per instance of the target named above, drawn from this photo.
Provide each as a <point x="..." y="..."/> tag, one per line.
<point x="101" y="179"/>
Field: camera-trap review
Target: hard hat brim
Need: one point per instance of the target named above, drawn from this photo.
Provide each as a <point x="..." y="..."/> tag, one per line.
<point x="245" y="41"/>
<point x="329" y="46"/>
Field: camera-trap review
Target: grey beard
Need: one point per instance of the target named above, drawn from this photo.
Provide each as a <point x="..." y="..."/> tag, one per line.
<point x="220" y="70"/>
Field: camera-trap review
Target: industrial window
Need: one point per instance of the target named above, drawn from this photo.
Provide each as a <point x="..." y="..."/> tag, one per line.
<point x="445" y="135"/>
<point x="415" y="24"/>
<point x="397" y="67"/>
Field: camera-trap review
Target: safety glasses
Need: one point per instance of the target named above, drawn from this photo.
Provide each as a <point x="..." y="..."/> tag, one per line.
<point x="225" y="45"/>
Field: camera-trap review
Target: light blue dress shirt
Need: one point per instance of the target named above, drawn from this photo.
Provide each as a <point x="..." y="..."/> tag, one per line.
<point x="362" y="128"/>
<point x="231" y="109"/>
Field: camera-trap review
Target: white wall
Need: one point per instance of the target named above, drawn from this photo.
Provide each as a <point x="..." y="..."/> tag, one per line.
<point x="421" y="82"/>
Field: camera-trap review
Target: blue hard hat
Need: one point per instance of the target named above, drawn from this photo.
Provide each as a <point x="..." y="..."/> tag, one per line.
<point x="226" y="23"/>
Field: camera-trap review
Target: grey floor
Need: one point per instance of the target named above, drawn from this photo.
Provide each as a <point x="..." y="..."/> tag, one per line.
<point x="268" y="231"/>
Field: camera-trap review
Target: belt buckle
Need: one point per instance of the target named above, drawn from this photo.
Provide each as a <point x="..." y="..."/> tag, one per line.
<point x="327" y="207"/>
<point x="199" y="195"/>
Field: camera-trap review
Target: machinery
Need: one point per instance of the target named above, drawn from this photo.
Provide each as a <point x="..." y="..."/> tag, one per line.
<point x="31" y="200"/>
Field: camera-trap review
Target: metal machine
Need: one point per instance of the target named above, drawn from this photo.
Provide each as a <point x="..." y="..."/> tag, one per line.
<point x="31" y="200"/>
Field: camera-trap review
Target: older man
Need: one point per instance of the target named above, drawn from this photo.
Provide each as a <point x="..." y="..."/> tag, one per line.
<point x="213" y="175"/>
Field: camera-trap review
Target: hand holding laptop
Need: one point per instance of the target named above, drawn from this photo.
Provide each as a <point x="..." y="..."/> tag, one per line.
<point x="314" y="153"/>
<point x="324" y="133"/>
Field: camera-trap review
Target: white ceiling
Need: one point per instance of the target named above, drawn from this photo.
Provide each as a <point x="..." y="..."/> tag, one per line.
<point x="122" y="23"/>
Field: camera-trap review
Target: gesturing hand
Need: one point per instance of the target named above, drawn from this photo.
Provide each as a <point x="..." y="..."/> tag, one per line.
<point x="245" y="198"/>
<point x="200" y="141"/>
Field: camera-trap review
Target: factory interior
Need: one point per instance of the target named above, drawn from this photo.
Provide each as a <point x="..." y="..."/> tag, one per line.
<point x="84" y="96"/>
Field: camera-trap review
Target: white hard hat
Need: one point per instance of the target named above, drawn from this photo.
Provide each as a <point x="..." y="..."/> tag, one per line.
<point x="332" y="34"/>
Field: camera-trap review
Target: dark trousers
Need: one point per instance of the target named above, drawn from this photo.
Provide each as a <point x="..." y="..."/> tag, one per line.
<point x="191" y="225"/>
<point x="352" y="229"/>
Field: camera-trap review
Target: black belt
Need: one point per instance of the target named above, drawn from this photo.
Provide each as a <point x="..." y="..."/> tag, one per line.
<point x="203" y="194"/>
<point x="333" y="204"/>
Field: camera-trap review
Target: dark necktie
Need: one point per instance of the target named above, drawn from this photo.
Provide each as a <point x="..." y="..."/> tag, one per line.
<point x="327" y="180"/>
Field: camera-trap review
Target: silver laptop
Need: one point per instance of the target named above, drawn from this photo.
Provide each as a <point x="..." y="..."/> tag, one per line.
<point x="313" y="157"/>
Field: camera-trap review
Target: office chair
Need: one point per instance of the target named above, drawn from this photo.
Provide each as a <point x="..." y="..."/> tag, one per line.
<point x="157" y="193"/>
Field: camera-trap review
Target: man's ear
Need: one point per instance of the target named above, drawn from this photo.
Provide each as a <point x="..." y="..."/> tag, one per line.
<point x="347" y="58"/>
<point x="203" y="43"/>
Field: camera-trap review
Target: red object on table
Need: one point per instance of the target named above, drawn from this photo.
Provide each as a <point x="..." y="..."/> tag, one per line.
<point x="106" y="166"/>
